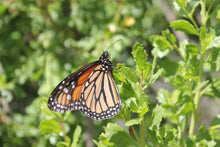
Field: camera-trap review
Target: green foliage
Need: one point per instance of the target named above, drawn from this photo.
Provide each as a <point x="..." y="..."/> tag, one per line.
<point x="184" y="26"/>
<point x="76" y="136"/>
<point x="49" y="126"/>
<point x="116" y="136"/>
<point x="41" y="42"/>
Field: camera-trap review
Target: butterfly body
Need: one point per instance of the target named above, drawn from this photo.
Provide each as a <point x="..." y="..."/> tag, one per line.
<point x="90" y="89"/>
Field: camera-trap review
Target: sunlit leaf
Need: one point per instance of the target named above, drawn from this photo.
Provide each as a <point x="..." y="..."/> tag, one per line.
<point x="156" y="117"/>
<point x="214" y="43"/>
<point x="49" y="126"/>
<point x="133" y="122"/>
<point x="186" y="108"/>
<point x="170" y="67"/>
<point x="151" y="135"/>
<point x="192" y="49"/>
<point x="118" y="136"/>
<point x="169" y="36"/>
<point x="76" y="136"/>
<point x="184" y="26"/>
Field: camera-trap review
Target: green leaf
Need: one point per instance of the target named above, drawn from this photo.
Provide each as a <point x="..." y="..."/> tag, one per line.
<point x="133" y="122"/>
<point x="162" y="96"/>
<point x="214" y="91"/>
<point x="64" y="143"/>
<point x="183" y="121"/>
<point x="213" y="60"/>
<point x="166" y="99"/>
<point x="139" y="55"/>
<point x="202" y="34"/>
<point x="203" y="133"/>
<point x="103" y="141"/>
<point x="127" y="74"/>
<point x="185" y="109"/>
<point x="143" y="109"/>
<point x="126" y="113"/>
<point x="192" y="49"/>
<point x="147" y="70"/>
<point x="208" y="40"/>
<point x="194" y="7"/>
<point x="215" y="124"/>
<point x="182" y="48"/>
<point x="151" y="135"/>
<point x="160" y="53"/>
<point x="155" y="76"/>
<point x="216" y="87"/>
<point x="214" y="43"/>
<point x="142" y="101"/>
<point x="169" y="36"/>
<point x="170" y="135"/>
<point x="170" y="67"/>
<point x="161" y="43"/>
<point x="157" y="116"/>
<point x="127" y="91"/>
<point x="182" y="3"/>
<point x="118" y="136"/>
<point x="179" y="82"/>
<point x="176" y="94"/>
<point x="49" y="126"/>
<point x="214" y="134"/>
<point x="161" y="46"/>
<point x="198" y="87"/>
<point x="206" y="143"/>
<point x="142" y="98"/>
<point x="191" y="141"/>
<point x="132" y="103"/>
<point x="76" y="136"/>
<point x="184" y="26"/>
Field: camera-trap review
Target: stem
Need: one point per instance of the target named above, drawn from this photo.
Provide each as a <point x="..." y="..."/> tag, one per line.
<point x="118" y="12"/>
<point x="180" y="135"/>
<point x="135" y="134"/>
<point x="205" y="89"/>
<point x="191" y="18"/>
<point x="142" y="125"/>
<point x="153" y="67"/>
<point x="197" y="95"/>
<point x="203" y="13"/>
<point x="180" y="53"/>
<point x="179" y="132"/>
<point x="142" y="132"/>
<point x="192" y="123"/>
<point x="63" y="129"/>
<point x="210" y="7"/>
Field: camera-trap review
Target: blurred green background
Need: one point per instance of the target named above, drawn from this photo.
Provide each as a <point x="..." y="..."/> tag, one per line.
<point x="42" y="42"/>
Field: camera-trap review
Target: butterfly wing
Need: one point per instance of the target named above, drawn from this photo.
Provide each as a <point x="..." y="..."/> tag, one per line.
<point x="91" y="89"/>
<point x="67" y="95"/>
<point x="100" y="96"/>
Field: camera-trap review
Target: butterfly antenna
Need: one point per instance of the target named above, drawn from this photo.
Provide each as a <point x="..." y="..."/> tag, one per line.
<point x="114" y="43"/>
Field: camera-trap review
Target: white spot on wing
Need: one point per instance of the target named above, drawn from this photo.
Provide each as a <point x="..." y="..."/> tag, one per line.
<point x="68" y="97"/>
<point x="65" y="90"/>
<point x="87" y="84"/>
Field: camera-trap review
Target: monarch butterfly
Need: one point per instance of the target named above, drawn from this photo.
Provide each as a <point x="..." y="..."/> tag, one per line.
<point x="90" y="89"/>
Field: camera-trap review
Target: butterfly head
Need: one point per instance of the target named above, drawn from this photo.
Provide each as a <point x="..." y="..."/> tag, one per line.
<point x="105" y="60"/>
<point x="104" y="57"/>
